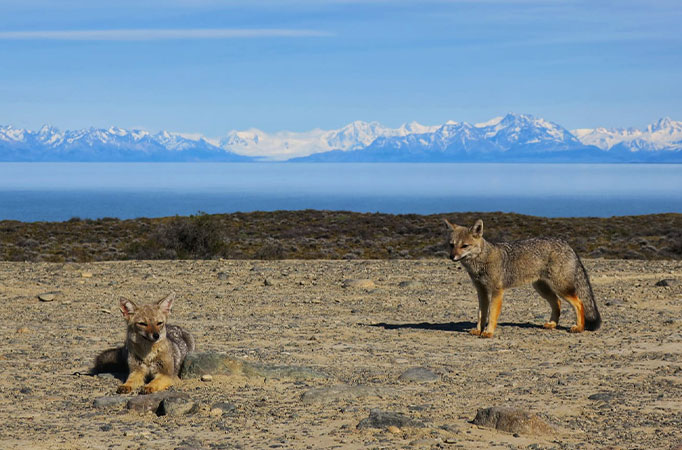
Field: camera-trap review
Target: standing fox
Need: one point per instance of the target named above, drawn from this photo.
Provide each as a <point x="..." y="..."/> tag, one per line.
<point x="152" y="349"/>
<point x="551" y="265"/>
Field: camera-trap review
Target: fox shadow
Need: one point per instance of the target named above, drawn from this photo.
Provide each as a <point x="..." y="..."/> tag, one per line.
<point x="456" y="327"/>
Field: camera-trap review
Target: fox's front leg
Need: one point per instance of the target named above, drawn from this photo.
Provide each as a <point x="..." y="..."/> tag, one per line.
<point x="134" y="381"/>
<point x="495" y="307"/>
<point x="483" y="307"/>
<point x="160" y="382"/>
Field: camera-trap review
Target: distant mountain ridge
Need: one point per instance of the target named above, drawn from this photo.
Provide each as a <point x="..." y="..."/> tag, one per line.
<point x="107" y="145"/>
<point x="511" y="138"/>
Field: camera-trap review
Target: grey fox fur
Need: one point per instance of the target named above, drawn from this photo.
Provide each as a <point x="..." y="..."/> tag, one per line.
<point x="550" y="265"/>
<point x="152" y="348"/>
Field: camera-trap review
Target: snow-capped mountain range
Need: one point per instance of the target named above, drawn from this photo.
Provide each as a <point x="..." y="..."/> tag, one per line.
<point x="514" y="137"/>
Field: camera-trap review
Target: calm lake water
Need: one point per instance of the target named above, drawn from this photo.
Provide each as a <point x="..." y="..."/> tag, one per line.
<point x="60" y="191"/>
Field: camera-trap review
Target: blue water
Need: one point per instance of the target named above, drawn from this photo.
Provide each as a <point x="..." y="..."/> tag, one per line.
<point x="60" y="191"/>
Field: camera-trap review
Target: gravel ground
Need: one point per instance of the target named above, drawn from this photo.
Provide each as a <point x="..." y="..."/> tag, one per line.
<point x="620" y="386"/>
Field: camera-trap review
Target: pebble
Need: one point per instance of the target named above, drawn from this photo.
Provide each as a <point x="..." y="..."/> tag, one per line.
<point x="384" y="419"/>
<point x="48" y="296"/>
<point x="151" y="402"/>
<point x="177" y="406"/>
<point x="359" y="284"/>
<point x="419" y="374"/>
<point x="511" y="420"/>
<point x="329" y="394"/>
<point x="109" y="401"/>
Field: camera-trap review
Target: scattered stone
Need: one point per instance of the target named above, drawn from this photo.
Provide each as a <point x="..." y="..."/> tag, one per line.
<point x="412" y="284"/>
<point x="151" y="402"/>
<point x="207" y="363"/>
<point x="177" y="406"/>
<point x="511" y="420"/>
<point x="224" y="408"/>
<point x="48" y="296"/>
<point x="330" y="394"/>
<point x="109" y="401"/>
<point x="359" y="284"/>
<point x="420" y="375"/>
<point x="602" y="396"/>
<point x="206" y="378"/>
<point x="382" y="419"/>
<point x="86" y="274"/>
<point x="667" y="282"/>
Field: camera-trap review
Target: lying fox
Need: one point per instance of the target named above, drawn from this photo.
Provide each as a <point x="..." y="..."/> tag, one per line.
<point x="551" y="265"/>
<point x="152" y="348"/>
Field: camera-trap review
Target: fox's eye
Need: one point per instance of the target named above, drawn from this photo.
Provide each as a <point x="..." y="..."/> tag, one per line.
<point x="158" y="324"/>
<point x="142" y="324"/>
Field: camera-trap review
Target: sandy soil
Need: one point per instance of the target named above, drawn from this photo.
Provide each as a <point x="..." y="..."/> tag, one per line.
<point x="619" y="386"/>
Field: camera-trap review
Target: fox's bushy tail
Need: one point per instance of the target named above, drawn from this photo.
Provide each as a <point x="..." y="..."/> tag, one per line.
<point x="586" y="295"/>
<point x="113" y="360"/>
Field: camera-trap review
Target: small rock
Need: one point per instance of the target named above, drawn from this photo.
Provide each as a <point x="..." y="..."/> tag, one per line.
<point x="206" y="378"/>
<point x="359" y="284"/>
<point x="48" y="296"/>
<point x="419" y="374"/>
<point x="86" y="274"/>
<point x="151" y="402"/>
<point x="330" y="394"/>
<point x="412" y="284"/>
<point x="512" y="421"/>
<point x="667" y="282"/>
<point x="109" y="401"/>
<point x="382" y="419"/>
<point x="602" y="396"/>
<point x="224" y="408"/>
<point x="177" y="406"/>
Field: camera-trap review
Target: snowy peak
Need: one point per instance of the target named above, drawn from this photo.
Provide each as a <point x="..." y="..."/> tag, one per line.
<point x="112" y="144"/>
<point x="663" y="135"/>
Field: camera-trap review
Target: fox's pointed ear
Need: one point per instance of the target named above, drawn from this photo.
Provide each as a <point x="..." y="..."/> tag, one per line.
<point x="127" y="307"/>
<point x="166" y="303"/>
<point x="477" y="229"/>
<point x="447" y="222"/>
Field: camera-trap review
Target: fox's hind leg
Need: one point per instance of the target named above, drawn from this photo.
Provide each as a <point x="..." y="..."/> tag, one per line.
<point x="577" y="304"/>
<point x="548" y="294"/>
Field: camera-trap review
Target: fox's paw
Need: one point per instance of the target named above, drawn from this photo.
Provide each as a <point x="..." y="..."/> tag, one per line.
<point x="550" y="325"/>
<point x="576" y="329"/>
<point x="147" y="389"/>
<point x="124" y="389"/>
<point x="487" y="334"/>
<point x="475" y="332"/>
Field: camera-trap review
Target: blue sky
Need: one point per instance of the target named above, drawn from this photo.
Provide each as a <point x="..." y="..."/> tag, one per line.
<point x="208" y="66"/>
